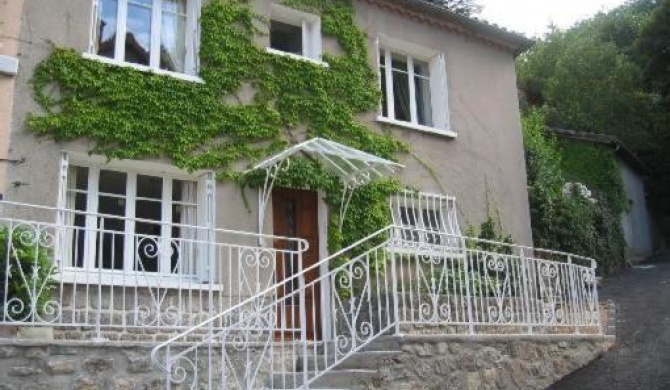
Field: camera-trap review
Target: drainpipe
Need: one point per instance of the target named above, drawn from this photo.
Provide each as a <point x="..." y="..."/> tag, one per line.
<point x="10" y="31"/>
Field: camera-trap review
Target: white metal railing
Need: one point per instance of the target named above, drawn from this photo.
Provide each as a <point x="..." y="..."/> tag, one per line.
<point x="294" y="332"/>
<point x="127" y="273"/>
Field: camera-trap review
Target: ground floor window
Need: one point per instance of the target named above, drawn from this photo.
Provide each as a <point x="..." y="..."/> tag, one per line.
<point x="129" y="221"/>
<point x="430" y="219"/>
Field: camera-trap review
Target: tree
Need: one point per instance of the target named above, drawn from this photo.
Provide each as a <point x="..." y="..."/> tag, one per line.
<point x="611" y="74"/>
<point x="653" y="48"/>
<point x="587" y="79"/>
<point x="462" y="7"/>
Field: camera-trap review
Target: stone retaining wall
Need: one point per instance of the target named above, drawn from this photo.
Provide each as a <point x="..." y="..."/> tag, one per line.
<point x="425" y="362"/>
<point x="487" y="362"/>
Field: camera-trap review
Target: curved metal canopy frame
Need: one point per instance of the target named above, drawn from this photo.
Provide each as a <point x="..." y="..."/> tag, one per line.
<point x="354" y="168"/>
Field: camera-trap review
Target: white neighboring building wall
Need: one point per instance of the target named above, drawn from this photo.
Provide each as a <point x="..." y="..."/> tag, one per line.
<point x="636" y="222"/>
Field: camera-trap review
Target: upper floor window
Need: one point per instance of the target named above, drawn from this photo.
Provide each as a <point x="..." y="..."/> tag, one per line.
<point x="295" y="32"/>
<point x="159" y="34"/>
<point x="414" y="89"/>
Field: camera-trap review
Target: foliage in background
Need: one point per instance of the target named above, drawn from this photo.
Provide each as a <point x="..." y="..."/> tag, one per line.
<point x="490" y="230"/>
<point x="27" y="268"/>
<point x="567" y="222"/>
<point x="462" y="7"/>
<point x="138" y="115"/>
<point x="609" y="74"/>
<point x="596" y="167"/>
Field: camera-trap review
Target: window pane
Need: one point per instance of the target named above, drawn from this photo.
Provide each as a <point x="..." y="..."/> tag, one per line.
<point x="110" y="238"/>
<point x="150" y="210"/>
<point x="424" y="108"/>
<point x="138" y="32"/>
<point x="431" y="219"/>
<point x="112" y="182"/>
<point x="178" y="190"/>
<point x="382" y="58"/>
<point x="399" y="62"/>
<point x="401" y="96"/>
<point x="147" y="234"/>
<point x="106" y="28"/>
<point x="149" y="187"/>
<point x="79" y="176"/>
<point x="286" y="37"/>
<point x="421" y="68"/>
<point x="173" y="36"/>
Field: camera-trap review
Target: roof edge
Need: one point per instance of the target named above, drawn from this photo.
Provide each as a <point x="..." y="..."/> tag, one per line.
<point x="432" y="14"/>
<point x="619" y="147"/>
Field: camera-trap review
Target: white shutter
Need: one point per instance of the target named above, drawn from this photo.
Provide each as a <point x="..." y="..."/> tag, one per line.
<point x="206" y="267"/>
<point x="439" y="93"/>
<point x="93" y="37"/>
<point x="63" y="252"/>
<point x="192" y="38"/>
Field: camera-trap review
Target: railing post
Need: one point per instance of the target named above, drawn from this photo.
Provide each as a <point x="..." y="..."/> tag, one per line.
<point x="303" y="320"/>
<point x="594" y="280"/>
<point x="468" y="295"/>
<point x="525" y="285"/>
<point x="98" y="315"/>
<point x="394" y="287"/>
<point x="573" y="293"/>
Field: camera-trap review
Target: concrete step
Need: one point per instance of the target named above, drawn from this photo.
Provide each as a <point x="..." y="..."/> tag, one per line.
<point x="338" y="379"/>
<point x="384" y="343"/>
<point x="368" y="360"/>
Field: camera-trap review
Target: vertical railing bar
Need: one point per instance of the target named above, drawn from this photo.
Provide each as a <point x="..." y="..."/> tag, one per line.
<point x="468" y="299"/>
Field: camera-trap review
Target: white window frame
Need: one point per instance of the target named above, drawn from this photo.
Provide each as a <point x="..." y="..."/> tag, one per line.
<point x="192" y="40"/>
<point x="205" y="211"/>
<point x="311" y="33"/>
<point x="445" y="223"/>
<point x="436" y="60"/>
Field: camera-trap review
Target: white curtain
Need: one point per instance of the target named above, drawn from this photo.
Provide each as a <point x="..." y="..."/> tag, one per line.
<point x="173" y="35"/>
<point x="189" y="233"/>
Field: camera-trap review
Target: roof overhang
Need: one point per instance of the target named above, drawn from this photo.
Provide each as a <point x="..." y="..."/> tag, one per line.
<point x="442" y="17"/>
<point x="626" y="155"/>
<point x="354" y="167"/>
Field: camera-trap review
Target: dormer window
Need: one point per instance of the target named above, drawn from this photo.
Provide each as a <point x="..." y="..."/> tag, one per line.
<point x="295" y="33"/>
<point x="155" y="34"/>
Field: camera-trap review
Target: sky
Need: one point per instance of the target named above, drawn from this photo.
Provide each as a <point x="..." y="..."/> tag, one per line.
<point x="532" y="17"/>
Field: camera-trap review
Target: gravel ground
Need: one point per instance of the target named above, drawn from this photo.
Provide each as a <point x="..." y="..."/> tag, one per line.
<point x="640" y="360"/>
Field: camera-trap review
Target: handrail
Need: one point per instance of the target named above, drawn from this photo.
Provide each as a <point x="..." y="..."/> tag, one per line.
<point x="94" y="276"/>
<point x="267" y="291"/>
<point x="398" y="280"/>
<point x="303" y="244"/>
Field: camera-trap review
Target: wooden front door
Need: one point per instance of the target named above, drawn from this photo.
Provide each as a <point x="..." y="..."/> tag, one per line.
<point x="295" y="214"/>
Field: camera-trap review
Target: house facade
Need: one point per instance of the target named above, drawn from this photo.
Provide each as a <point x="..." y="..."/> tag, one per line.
<point x="262" y="189"/>
<point x="448" y="92"/>
<point x="465" y="127"/>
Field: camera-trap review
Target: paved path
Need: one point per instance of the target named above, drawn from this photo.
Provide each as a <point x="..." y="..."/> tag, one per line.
<point x="640" y="360"/>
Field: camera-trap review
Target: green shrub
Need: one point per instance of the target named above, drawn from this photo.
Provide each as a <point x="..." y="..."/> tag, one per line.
<point x="570" y="222"/>
<point x="27" y="266"/>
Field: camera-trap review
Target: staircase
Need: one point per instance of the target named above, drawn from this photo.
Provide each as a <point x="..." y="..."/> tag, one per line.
<point x="276" y="339"/>
<point x="360" y="368"/>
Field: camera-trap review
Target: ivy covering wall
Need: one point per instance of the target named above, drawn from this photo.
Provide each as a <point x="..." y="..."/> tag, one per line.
<point x="595" y="166"/>
<point x="138" y="115"/>
<point x="563" y="217"/>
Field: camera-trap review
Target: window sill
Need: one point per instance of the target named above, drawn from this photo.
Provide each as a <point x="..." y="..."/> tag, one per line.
<point x="82" y="277"/>
<point x="413" y="126"/>
<point x="296" y="57"/>
<point x="143" y="68"/>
